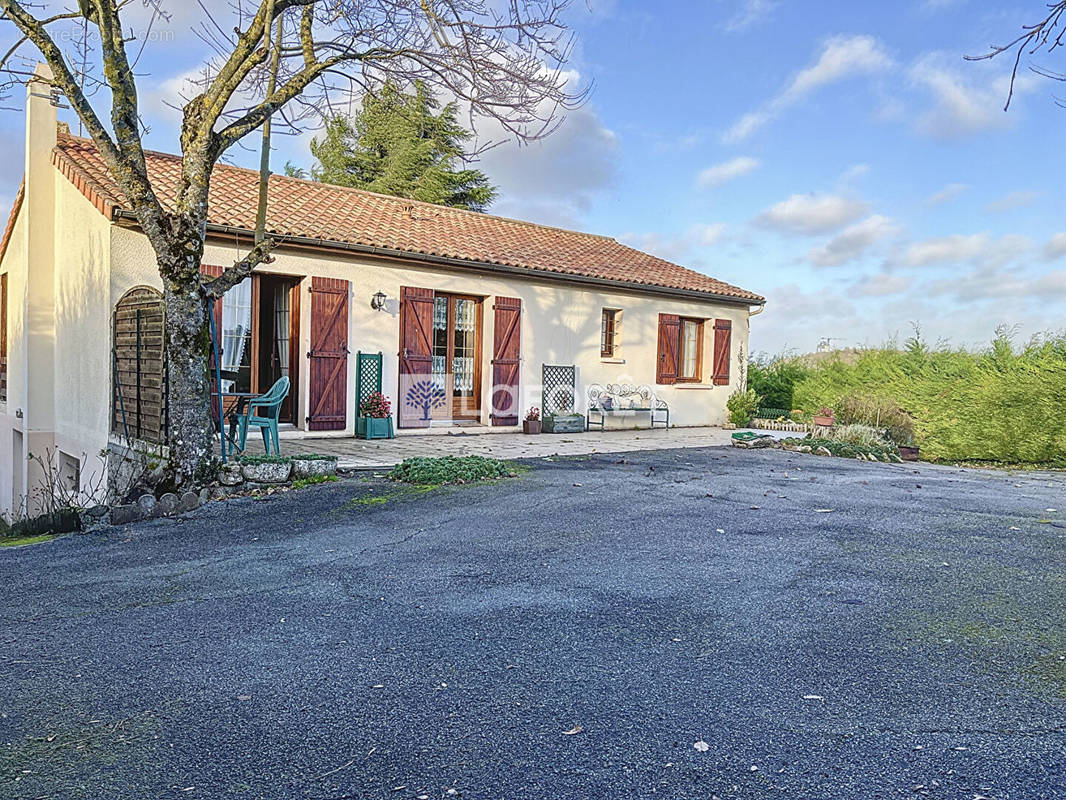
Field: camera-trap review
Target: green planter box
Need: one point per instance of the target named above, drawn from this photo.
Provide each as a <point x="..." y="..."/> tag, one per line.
<point x="570" y="423"/>
<point x="374" y="428"/>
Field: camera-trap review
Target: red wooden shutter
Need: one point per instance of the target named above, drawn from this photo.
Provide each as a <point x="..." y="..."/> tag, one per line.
<point x="328" y="373"/>
<point x="506" y="347"/>
<point x="723" y="337"/>
<point x="416" y="357"/>
<point x="669" y="344"/>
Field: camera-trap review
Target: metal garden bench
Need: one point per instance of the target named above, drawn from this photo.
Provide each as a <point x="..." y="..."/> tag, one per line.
<point x="620" y="398"/>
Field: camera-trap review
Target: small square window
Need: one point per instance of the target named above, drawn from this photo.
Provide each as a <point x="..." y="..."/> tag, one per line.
<point x="609" y="332"/>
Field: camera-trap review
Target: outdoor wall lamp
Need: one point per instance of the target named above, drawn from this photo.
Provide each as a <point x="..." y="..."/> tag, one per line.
<point x="377" y="302"/>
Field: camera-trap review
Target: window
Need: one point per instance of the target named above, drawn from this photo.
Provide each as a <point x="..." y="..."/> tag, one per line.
<point x="609" y="332"/>
<point x="690" y="350"/>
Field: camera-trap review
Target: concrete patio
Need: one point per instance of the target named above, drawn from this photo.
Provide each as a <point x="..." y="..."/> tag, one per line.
<point x="383" y="453"/>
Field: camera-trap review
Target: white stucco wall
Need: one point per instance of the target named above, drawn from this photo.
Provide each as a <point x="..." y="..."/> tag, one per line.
<point x="14" y="265"/>
<point x="83" y="329"/>
<point x="560" y="324"/>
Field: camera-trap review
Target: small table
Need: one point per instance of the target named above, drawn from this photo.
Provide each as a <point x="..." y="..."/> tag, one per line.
<point x="239" y="401"/>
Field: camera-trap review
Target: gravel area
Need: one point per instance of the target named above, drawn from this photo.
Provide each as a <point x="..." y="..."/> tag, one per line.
<point x="682" y="624"/>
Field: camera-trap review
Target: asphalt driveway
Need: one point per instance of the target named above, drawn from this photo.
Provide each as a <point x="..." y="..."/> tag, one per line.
<point x="677" y="624"/>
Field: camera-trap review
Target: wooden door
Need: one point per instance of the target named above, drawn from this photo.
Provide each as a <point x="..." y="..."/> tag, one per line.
<point x="506" y="364"/>
<point x="328" y="371"/>
<point x="419" y="396"/>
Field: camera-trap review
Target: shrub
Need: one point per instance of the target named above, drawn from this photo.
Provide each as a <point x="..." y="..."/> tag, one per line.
<point x="312" y="457"/>
<point x="450" y="469"/>
<point x="846" y="449"/>
<point x="877" y="412"/>
<point x="863" y="435"/>
<point x="775" y="380"/>
<point x="1001" y="405"/>
<point x="742" y="406"/>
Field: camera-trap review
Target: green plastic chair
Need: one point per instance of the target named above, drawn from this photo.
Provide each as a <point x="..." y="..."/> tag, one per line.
<point x="269" y="408"/>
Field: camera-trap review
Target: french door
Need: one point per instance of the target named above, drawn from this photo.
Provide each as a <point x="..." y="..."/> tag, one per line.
<point x="456" y="352"/>
<point x="260" y="324"/>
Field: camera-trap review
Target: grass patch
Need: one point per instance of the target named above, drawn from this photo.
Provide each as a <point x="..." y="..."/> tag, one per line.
<point x="451" y="470"/>
<point x="19" y="541"/>
<point x="312" y="457"/>
<point x="301" y="483"/>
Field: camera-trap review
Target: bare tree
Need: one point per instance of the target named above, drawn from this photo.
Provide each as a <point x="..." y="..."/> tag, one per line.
<point x="1047" y="34"/>
<point x="503" y="60"/>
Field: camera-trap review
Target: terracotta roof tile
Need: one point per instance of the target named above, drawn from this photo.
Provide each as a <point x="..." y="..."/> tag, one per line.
<point x="307" y="209"/>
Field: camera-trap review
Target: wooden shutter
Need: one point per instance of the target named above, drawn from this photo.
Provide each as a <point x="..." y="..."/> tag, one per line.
<point x="139" y="368"/>
<point x="416" y="352"/>
<point x="669" y="345"/>
<point x="506" y="366"/>
<point x="328" y="373"/>
<point x="723" y="337"/>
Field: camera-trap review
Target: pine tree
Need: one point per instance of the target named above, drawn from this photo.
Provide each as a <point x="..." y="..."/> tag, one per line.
<point x="405" y="145"/>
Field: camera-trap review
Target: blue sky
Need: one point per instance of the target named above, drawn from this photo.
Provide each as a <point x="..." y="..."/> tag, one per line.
<point x="838" y="157"/>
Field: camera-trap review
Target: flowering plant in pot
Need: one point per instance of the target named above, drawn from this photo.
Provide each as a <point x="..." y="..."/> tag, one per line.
<point x="824" y="418"/>
<point x="532" y="423"/>
<point x="375" y="418"/>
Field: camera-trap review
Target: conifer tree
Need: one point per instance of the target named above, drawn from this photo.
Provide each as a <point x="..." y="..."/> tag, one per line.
<point x="405" y="145"/>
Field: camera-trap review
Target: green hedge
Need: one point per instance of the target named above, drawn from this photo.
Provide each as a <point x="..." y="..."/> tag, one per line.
<point x="999" y="405"/>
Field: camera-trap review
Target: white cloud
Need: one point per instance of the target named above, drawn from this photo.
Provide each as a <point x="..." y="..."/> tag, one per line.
<point x="1012" y="200"/>
<point x="978" y="248"/>
<point x="552" y="180"/>
<point x="811" y="214"/>
<point x="726" y="171"/>
<point x="680" y="249"/>
<point x="749" y="14"/>
<point x="842" y="57"/>
<point x="963" y="104"/>
<point x="853" y="242"/>
<point x="853" y="173"/>
<point x="707" y="235"/>
<point x="1056" y="247"/>
<point x="948" y="193"/>
<point x="945" y="250"/>
<point x="881" y="285"/>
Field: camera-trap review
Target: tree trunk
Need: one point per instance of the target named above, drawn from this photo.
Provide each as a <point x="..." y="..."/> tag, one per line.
<point x="188" y="349"/>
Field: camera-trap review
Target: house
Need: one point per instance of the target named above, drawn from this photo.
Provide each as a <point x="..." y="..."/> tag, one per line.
<point x="475" y="302"/>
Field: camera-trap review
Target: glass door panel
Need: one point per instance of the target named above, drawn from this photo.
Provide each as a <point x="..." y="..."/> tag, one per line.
<point x="456" y="355"/>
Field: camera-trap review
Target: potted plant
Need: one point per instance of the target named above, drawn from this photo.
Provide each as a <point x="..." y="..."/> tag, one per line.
<point x="908" y="448"/>
<point x="375" y="418"/>
<point x="532" y="424"/>
<point x="564" y="422"/>
<point x="824" y="418"/>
